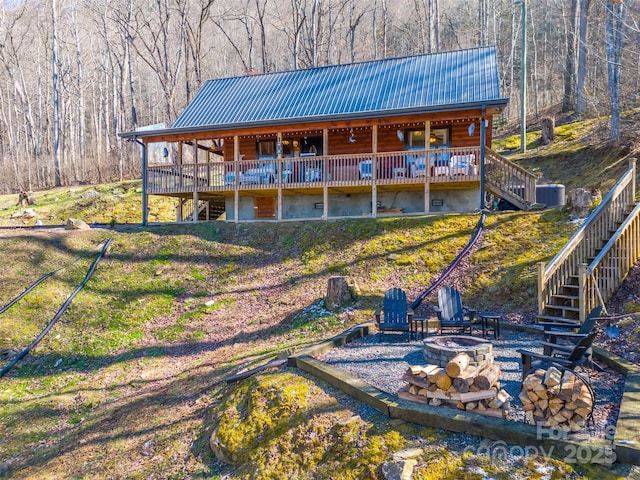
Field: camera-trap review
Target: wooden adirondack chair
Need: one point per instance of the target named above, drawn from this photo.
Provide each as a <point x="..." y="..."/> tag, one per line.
<point x="579" y="355"/>
<point x="395" y="315"/>
<point x="451" y="313"/>
<point x="559" y="333"/>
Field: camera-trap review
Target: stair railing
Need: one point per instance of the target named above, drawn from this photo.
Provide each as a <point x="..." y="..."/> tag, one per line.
<point x="594" y="239"/>
<point x="509" y="181"/>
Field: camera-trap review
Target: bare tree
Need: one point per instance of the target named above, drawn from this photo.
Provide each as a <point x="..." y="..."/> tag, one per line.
<point x="57" y="176"/>
<point x="568" y="101"/>
<point x="614" y="26"/>
<point x="581" y="97"/>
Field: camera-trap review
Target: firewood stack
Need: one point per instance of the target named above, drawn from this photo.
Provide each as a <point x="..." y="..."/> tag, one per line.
<point x="459" y="384"/>
<point x="556" y="399"/>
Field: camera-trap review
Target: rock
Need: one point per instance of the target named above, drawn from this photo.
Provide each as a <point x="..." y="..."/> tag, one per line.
<point x="340" y="291"/>
<point x="75" y="224"/>
<point x="39" y="223"/>
<point x="581" y="201"/>
<point x="399" y="470"/>
<point x="219" y="449"/>
<point x="92" y="194"/>
<point x="26" y="198"/>
<point x="408" y="454"/>
<point x="26" y="213"/>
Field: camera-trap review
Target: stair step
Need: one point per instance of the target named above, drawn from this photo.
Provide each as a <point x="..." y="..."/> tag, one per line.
<point x="565" y="296"/>
<point x="563" y="307"/>
<point x="554" y="318"/>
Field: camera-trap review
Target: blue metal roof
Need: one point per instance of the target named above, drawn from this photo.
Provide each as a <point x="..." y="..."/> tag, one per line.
<point x="421" y="83"/>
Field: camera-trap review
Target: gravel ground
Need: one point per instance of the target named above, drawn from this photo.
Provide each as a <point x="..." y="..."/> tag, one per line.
<point x="382" y="364"/>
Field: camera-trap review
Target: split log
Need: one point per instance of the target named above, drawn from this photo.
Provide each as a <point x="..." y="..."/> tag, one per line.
<point x="487" y="377"/>
<point x="460" y="384"/>
<point x="442" y="380"/>
<point x="556" y="399"/>
<point x="552" y="377"/>
<point x="457" y="364"/>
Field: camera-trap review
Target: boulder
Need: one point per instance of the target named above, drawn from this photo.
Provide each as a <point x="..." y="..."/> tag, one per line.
<point x="220" y="450"/>
<point x="26" y="198"/>
<point x="399" y="469"/>
<point x="26" y="213"/>
<point x="75" y="224"/>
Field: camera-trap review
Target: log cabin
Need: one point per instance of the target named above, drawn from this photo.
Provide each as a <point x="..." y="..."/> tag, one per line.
<point x="397" y="136"/>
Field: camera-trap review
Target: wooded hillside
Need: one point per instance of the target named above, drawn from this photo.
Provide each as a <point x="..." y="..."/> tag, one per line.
<point x="76" y="73"/>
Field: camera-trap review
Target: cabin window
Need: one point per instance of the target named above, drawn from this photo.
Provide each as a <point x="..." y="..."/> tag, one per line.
<point x="415" y="139"/>
<point x="266" y="149"/>
<point x="301" y="146"/>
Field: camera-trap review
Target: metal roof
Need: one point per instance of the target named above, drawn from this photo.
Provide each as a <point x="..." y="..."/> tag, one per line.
<point x="422" y="83"/>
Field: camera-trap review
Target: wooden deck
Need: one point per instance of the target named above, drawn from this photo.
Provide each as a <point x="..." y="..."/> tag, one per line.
<point x="304" y="175"/>
<point x="447" y="169"/>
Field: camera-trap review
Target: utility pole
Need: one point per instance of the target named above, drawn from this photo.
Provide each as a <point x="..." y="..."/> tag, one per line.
<point x="523" y="77"/>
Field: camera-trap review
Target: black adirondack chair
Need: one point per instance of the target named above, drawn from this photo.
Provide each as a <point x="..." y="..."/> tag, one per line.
<point x="395" y="315"/>
<point x="562" y="339"/>
<point x="451" y="313"/>
<point x="578" y="355"/>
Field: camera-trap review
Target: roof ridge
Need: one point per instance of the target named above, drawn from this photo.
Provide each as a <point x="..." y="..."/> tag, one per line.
<point x="354" y="64"/>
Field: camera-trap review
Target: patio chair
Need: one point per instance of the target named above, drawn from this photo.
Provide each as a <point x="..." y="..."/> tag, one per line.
<point x="579" y="355"/>
<point x="365" y="169"/>
<point x="395" y="315"/>
<point x="451" y="313"/>
<point x="559" y="334"/>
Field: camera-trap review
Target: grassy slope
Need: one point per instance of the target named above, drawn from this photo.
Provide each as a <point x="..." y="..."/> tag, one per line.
<point x="128" y="383"/>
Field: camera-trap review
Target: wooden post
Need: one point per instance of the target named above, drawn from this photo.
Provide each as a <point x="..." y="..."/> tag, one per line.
<point x="582" y="291"/>
<point x="427" y="195"/>
<point x="196" y="178"/>
<point x="541" y="282"/>
<point x="279" y="180"/>
<point x="427" y="167"/>
<point x="181" y="178"/>
<point x="374" y="170"/>
<point x="325" y="192"/>
<point x="196" y="209"/>
<point x="632" y="166"/>
<point x="236" y="169"/>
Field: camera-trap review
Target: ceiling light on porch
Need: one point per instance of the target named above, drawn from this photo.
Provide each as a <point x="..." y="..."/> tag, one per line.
<point x="432" y="138"/>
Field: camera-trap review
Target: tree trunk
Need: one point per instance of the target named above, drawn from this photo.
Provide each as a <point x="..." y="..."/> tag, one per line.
<point x="568" y="101"/>
<point x="581" y="97"/>
<point x="614" y="24"/>
<point x="57" y="179"/>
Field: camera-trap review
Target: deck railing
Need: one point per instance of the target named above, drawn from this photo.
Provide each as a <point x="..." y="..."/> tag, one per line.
<point x="444" y="165"/>
<point x="600" y="253"/>
<point x="509" y="181"/>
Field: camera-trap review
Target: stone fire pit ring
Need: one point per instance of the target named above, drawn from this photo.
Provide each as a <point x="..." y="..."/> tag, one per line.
<point x="440" y="350"/>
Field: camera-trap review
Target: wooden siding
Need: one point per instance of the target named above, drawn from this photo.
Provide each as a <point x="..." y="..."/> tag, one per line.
<point x="388" y="141"/>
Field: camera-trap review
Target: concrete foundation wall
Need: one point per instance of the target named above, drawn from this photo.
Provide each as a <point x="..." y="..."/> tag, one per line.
<point x="359" y="204"/>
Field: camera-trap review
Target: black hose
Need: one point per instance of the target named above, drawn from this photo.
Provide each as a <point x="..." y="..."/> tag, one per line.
<point x="62" y="309"/>
<point x="416" y="303"/>
<point x="38" y="282"/>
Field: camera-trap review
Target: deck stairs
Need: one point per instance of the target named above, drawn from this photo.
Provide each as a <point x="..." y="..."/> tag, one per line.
<point x="509" y="181"/>
<point x="209" y="209"/>
<point x="595" y="260"/>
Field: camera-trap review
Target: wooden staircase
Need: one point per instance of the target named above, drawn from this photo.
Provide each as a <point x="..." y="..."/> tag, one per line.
<point x="597" y="258"/>
<point x="509" y="181"/>
<point x="209" y="209"/>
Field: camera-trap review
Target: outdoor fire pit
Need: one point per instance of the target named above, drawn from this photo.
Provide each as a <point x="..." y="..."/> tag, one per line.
<point x="440" y="350"/>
